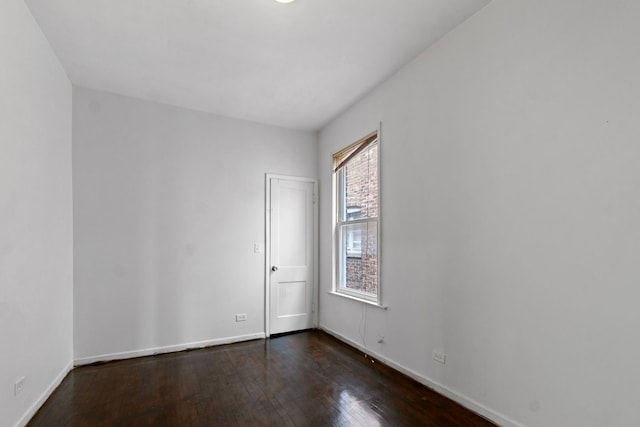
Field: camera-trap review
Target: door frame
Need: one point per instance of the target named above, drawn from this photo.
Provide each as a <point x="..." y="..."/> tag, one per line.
<point x="267" y="249"/>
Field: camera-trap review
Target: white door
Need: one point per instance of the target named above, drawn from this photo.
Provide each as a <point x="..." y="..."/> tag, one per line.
<point x="291" y="274"/>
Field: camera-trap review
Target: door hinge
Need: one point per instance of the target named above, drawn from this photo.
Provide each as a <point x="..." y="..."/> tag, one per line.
<point x="314" y="198"/>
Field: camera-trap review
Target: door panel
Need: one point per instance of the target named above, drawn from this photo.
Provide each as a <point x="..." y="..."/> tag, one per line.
<point x="292" y="298"/>
<point x="292" y="216"/>
<point x="291" y="287"/>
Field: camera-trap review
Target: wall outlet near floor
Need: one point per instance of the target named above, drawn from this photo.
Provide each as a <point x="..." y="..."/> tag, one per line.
<point x="439" y="356"/>
<point x="242" y="317"/>
<point x="18" y="386"/>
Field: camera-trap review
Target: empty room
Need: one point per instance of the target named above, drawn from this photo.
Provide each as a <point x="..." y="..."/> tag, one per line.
<point x="320" y="212"/>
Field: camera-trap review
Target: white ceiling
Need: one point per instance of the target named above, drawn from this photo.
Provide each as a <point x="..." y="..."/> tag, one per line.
<point x="296" y="65"/>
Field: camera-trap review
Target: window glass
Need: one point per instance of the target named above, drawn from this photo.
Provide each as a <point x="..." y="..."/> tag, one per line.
<point x="360" y="258"/>
<point x="361" y="185"/>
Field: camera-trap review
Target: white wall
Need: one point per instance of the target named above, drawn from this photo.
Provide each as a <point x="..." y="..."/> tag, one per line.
<point x="510" y="213"/>
<point x="36" y="254"/>
<point x="168" y="204"/>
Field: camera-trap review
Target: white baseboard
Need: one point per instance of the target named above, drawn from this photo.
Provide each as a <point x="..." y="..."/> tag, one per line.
<point x="166" y="349"/>
<point x="44" y="396"/>
<point x="463" y="400"/>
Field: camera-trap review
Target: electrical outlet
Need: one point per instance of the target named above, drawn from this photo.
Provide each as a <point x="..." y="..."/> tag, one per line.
<point x="439" y="356"/>
<point x="18" y="386"/>
<point x="241" y="317"/>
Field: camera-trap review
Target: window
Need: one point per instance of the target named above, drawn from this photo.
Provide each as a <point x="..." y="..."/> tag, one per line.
<point x="357" y="219"/>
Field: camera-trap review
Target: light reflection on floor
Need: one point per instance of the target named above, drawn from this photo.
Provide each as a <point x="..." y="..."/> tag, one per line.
<point x="357" y="410"/>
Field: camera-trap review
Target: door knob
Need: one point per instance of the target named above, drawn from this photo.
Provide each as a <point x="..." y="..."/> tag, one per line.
<point x="274" y="268"/>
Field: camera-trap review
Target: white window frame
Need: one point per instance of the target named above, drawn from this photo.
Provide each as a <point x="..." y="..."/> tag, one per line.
<point x="339" y="264"/>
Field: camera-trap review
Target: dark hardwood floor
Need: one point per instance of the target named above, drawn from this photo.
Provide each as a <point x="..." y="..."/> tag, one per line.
<point x="305" y="379"/>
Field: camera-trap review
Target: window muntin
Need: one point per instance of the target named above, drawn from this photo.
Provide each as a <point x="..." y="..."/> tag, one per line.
<point x="357" y="225"/>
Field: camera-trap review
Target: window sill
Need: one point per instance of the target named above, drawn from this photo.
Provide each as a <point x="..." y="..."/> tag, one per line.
<point x="362" y="300"/>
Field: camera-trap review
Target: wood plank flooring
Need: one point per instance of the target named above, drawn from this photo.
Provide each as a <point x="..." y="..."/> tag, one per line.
<point x="304" y="379"/>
